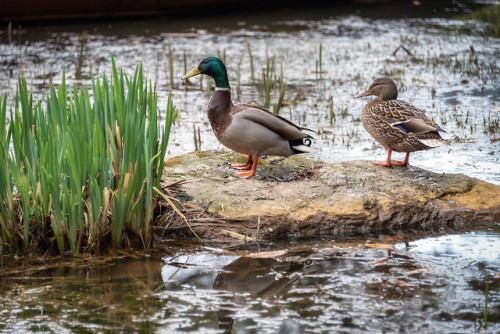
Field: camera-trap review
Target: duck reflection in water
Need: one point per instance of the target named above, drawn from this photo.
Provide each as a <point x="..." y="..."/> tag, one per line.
<point x="257" y="276"/>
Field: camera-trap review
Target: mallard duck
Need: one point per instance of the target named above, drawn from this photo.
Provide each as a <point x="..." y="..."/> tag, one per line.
<point x="249" y="130"/>
<point x="397" y="125"/>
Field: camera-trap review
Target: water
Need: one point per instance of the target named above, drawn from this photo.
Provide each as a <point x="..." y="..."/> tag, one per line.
<point x="455" y="77"/>
<point x="431" y="285"/>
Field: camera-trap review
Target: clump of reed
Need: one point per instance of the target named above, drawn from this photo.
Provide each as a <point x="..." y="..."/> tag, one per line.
<point x="79" y="173"/>
<point x="273" y="84"/>
<point x="83" y="41"/>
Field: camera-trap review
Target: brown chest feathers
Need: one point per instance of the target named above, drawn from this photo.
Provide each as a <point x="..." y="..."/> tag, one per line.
<point x="219" y="111"/>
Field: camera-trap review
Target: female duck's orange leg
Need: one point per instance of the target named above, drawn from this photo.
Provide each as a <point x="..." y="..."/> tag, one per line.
<point x="402" y="163"/>
<point x="383" y="163"/>
<point x="248" y="165"/>
<point x="246" y="174"/>
<point x="390" y="162"/>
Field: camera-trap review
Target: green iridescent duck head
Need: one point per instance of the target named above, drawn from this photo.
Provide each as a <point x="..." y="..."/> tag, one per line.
<point x="212" y="67"/>
<point x="383" y="87"/>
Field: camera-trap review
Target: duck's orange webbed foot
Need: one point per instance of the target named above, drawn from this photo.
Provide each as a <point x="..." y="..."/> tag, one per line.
<point x="390" y="162"/>
<point x="398" y="163"/>
<point x="246" y="174"/>
<point x="382" y="163"/>
<point x="241" y="166"/>
<point x="244" y="166"/>
<point x="402" y="163"/>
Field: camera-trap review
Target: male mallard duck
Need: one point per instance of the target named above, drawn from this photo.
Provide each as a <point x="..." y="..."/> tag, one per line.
<point x="397" y="125"/>
<point x="245" y="129"/>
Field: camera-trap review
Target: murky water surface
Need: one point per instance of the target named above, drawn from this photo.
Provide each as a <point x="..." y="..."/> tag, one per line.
<point x="453" y="76"/>
<point x="432" y="285"/>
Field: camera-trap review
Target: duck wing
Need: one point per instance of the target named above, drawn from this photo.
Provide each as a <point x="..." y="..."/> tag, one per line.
<point x="406" y="117"/>
<point x="274" y="123"/>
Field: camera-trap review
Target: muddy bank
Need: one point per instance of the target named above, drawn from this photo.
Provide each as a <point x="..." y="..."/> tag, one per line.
<point x="305" y="198"/>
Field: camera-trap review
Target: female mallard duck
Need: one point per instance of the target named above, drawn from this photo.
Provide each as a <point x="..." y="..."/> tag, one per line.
<point x="397" y="125"/>
<point x="245" y="129"/>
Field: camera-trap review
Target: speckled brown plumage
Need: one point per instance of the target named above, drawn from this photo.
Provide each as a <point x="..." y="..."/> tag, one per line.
<point x="395" y="124"/>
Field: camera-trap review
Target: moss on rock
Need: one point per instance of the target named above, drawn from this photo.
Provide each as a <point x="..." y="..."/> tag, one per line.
<point x="303" y="198"/>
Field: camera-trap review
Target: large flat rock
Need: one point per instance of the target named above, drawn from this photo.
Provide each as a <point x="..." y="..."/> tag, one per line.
<point x="303" y="198"/>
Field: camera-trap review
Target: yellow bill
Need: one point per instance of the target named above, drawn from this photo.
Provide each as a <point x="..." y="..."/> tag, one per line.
<point x="194" y="72"/>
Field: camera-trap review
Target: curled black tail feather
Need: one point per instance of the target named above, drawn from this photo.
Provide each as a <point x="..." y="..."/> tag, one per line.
<point x="301" y="145"/>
